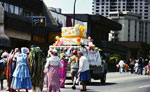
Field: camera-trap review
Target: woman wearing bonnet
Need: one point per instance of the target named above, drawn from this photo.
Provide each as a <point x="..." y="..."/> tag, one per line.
<point x="52" y="72"/>
<point x="21" y="77"/>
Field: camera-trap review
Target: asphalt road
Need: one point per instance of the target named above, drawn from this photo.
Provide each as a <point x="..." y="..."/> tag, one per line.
<point x="116" y="82"/>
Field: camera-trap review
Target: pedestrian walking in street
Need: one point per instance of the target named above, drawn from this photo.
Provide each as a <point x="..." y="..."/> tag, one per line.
<point x="74" y="65"/>
<point x="136" y="67"/>
<point x="140" y="66"/>
<point x="84" y="73"/>
<point x="21" y="77"/>
<point x="52" y="70"/>
<point x="132" y="63"/>
<point x="63" y="70"/>
<point x="121" y="65"/>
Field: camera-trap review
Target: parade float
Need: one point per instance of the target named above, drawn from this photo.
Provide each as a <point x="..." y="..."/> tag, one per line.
<point x="75" y="38"/>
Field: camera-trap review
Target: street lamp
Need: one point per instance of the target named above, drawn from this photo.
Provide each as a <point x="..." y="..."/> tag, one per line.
<point x="74" y="12"/>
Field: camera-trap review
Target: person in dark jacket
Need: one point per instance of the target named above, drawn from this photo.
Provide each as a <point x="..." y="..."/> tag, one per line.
<point x="140" y="66"/>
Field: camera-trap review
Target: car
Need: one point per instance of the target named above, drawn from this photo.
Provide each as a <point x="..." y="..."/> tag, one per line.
<point x="99" y="72"/>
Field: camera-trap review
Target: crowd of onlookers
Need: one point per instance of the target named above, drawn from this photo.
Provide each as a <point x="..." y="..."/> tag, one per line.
<point x="138" y="66"/>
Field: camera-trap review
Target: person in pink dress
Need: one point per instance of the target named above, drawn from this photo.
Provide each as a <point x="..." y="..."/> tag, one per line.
<point x="63" y="70"/>
<point x="52" y="71"/>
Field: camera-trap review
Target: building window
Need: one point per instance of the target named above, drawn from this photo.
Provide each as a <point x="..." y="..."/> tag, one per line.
<point x="139" y="31"/>
<point x="146" y="14"/>
<point x="97" y="10"/>
<point x="146" y="10"/>
<point x="146" y="7"/>
<point x="146" y="32"/>
<point x="146" y="3"/>
<point x="20" y="11"/>
<point x="135" y="30"/>
<point x="6" y="7"/>
<point x="26" y="13"/>
<point x="128" y="30"/>
<point x="16" y="10"/>
<point x="97" y="0"/>
<point x="11" y="9"/>
<point x="97" y="3"/>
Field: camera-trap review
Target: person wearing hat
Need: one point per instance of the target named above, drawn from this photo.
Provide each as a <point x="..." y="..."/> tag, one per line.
<point x="74" y="65"/>
<point x="52" y="72"/>
<point x="21" y="77"/>
<point x="63" y="70"/>
<point x="84" y="73"/>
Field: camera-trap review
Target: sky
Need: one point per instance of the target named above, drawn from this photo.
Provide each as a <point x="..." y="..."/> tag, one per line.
<point x="82" y="6"/>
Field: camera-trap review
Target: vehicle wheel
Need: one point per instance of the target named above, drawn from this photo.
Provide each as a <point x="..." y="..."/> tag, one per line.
<point x="103" y="79"/>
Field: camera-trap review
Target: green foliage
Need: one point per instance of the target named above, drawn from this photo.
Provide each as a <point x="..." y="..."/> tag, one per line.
<point x="37" y="61"/>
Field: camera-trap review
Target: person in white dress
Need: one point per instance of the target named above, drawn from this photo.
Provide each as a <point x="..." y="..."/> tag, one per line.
<point x="121" y="65"/>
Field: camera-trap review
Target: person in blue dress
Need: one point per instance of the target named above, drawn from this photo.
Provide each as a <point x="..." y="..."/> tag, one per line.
<point x="21" y="77"/>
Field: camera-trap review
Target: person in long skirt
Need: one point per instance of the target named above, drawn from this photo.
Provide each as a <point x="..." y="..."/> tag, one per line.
<point x="63" y="70"/>
<point x="11" y="66"/>
<point x="84" y="73"/>
<point x="52" y="71"/>
<point x="3" y="67"/>
<point x="21" y="77"/>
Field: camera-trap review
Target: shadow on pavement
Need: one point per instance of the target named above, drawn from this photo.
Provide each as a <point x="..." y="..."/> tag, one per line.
<point x="70" y="83"/>
<point x="95" y="84"/>
<point x="100" y="84"/>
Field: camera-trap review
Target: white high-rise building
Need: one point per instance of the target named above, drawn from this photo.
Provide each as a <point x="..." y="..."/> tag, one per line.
<point x="103" y="7"/>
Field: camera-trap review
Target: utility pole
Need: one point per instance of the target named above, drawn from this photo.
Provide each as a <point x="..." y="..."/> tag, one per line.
<point x="74" y="12"/>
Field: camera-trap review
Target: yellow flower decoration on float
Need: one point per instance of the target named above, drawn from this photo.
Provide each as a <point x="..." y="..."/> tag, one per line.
<point x="71" y="27"/>
<point x="69" y="32"/>
<point x="77" y="25"/>
<point x="82" y="29"/>
<point x="73" y="31"/>
<point x="65" y="30"/>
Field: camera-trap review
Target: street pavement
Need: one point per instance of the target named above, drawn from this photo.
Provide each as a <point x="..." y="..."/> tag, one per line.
<point x="116" y="82"/>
